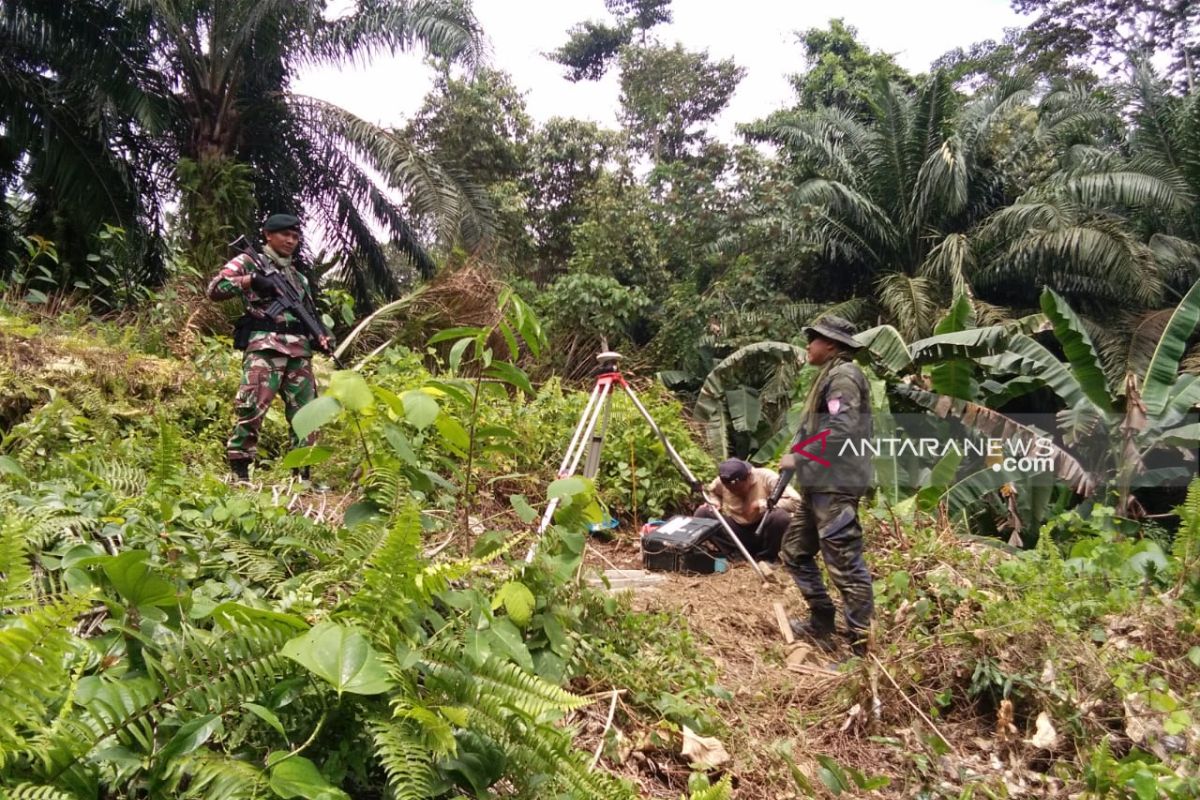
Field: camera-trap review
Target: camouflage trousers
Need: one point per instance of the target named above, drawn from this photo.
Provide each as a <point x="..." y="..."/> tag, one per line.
<point x="266" y="373"/>
<point x="828" y="524"/>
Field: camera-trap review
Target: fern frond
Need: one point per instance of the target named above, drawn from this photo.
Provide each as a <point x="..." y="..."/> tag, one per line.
<point x="123" y="478"/>
<point x="1186" y="548"/>
<point x="212" y="672"/>
<point x="255" y="565"/>
<point x="405" y="759"/>
<point x="216" y="777"/>
<point x="14" y="562"/>
<point x="166" y="468"/>
<point x="29" y="791"/>
<point x="34" y="656"/>
<point x="501" y="683"/>
<point x="722" y="791"/>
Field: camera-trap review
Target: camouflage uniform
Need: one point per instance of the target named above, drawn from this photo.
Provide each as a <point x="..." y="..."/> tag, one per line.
<point x="827" y="519"/>
<point x="275" y="361"/>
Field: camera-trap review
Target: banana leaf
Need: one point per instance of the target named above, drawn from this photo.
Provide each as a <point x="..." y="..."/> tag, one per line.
<point x="1185" y="397"/>
<point x="955" y="376"/>
<point x="712" y="406"/>
<point x="1078" y="347"/>
<point x="972" y="344"/>
<point x="1025" y="356"/>
<point x="992" y="423"/>
<point x="940" y="477"/>
<point x="887" y="349"/>
<point x="1163" y="371"/>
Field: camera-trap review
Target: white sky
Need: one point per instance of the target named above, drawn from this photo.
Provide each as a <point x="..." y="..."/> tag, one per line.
<point x="757" y="34"/>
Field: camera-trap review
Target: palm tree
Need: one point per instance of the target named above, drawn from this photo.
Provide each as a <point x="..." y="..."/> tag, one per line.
<point x="221" y="72"/>
<point x="81" y="125"/>
<point x="889" y="198"/>
<point x="1113" y="228"/>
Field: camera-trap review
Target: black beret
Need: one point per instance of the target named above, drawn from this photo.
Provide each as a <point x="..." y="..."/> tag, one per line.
<point x="281" y="222"/>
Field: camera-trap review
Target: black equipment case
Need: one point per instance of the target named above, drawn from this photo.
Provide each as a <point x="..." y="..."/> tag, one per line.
<point x="682" y="544"/>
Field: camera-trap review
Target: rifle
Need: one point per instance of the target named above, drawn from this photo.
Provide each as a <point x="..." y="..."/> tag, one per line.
<point x="785" y="478"/>
<point x="288" y="297"/>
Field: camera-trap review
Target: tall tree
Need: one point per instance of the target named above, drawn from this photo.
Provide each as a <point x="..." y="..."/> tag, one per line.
<point x="566" y="160"/>
<point x="591" y="46"/>
<point x="667" y="93"/>
<point x="839" y="70"/>
<point x="222" y="73"/>
<point x="477" y="128"/>
<point x="1115" y="30"/>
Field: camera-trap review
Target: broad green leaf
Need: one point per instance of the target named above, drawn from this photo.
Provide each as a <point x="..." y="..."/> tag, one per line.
<point x="137" y="584"/>
<point x="522" y="507"/>
<point x="420" y="409"/>
<point x="453" y="432"/>
<point x="514" y="350"/>
<point x="9" y="466"/>
<point x="456" y="352"/>
<point x="509" y="638"/>
<point x="566" y="488"/>
<point x="190" y="737"/>
<point x="517" y="600"/>
<point x="230" y="615"/>
<point x="887" y="348"/>
<point x="831" y="774"/>
<point x="400" y="444"/>
<point x="1078" y="348"/>
<point x="351" y="390"/>
<point x="390" y="399"/>
<point x="315" y="414"/>
<point x="960" y="317"/>
<point x="296" y="776"/>
<point x="1163" y="370"/>
<point x="342" y="656"/>
<point x="504" y="371"/>
<point x="456" y="333"/>
<point x="306" y="457"/>
<point x="266" y="715"/>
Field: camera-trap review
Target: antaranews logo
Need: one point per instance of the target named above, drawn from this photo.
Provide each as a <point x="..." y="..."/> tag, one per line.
<point x="1008" y="455"/>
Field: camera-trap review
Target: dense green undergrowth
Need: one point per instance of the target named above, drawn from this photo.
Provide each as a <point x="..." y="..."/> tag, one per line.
<point x="168" y="634"/>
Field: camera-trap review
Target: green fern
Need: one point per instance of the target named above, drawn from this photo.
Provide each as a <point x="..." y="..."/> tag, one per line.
<point x="722" y="791"/>
<point x="166" y="473"/>
<point x="251" y="563"/>
<point x="217" y="777"/>
<point x="1186" y="548"/>
<point x="28" y="791"/>
<point x="14" y="562"/>
<point x="34" y="652"/>
<point x="405" y="759"/>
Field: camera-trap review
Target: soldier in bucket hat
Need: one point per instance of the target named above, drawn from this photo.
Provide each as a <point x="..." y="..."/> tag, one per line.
<point x="831" y="479"/>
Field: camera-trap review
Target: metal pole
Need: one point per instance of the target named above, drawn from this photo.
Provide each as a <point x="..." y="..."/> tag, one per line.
<point x="597" y="404"/>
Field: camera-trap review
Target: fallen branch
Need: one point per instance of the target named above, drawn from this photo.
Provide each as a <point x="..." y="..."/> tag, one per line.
<point x="913" y="705"/>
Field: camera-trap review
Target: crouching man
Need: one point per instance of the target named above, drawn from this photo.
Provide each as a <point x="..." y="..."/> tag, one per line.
<point x="741" y="493"/>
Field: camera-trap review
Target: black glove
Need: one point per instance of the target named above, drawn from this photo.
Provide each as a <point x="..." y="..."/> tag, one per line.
<point x="261" y="285"/>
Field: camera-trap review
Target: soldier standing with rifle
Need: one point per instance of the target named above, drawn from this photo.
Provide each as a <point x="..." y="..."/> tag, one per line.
<point x="277" y="333"/>
<point x="831" y="483"/>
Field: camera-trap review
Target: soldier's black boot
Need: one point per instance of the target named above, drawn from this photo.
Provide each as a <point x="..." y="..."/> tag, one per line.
<point x="240" y="469"/>
<point x="818" y="628"/>
<point x="858" y="643"/>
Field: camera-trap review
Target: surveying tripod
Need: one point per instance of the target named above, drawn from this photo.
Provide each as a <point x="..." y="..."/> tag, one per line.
<point x="589" y="436"/>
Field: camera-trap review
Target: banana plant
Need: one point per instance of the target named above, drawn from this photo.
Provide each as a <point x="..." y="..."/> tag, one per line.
<point x="1113" y="425"/>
